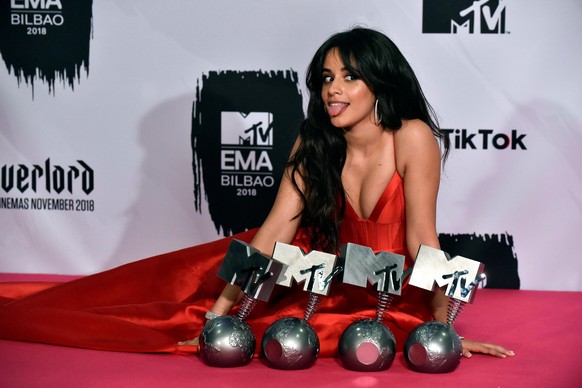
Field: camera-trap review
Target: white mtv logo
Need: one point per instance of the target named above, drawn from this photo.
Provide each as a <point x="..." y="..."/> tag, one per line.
<point x="434" y="269"/>
<point x="316" y="268"/>
<point x="492" y="19"/>
<point x="254" y="128"/>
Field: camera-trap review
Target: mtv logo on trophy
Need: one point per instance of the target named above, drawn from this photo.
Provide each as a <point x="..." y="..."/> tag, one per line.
<point x="434" y="269"/>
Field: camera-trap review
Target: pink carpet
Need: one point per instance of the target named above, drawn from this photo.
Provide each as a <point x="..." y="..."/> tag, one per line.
<point x="542" y="327"/>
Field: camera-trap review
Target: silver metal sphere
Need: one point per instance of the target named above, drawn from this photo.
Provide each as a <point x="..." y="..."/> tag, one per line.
<point x="227" y="342"/>
<point x="367" y="345"/>
<point x="433" y="347"/>
<point x="290" y="343"/>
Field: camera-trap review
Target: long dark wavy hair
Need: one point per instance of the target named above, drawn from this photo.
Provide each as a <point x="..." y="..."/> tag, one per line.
<point x="320" y="157"/>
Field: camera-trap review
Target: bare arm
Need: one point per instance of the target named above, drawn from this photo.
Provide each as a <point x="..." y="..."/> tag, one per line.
<point x="419" y="163"/>
<point x="279" y="226"/>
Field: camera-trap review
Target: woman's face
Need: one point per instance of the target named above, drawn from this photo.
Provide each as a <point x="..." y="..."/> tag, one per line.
<point x="349" y="102"/>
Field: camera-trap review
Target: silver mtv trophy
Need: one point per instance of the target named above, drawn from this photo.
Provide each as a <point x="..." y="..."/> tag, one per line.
<point x="435" y="347"/>
<point x="367" y="344"/>
<point x="291" y="343"/>
<point x="228" y="341"/>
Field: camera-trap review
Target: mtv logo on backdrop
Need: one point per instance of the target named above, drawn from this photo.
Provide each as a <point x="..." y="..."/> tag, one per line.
<point x="252" y="129"/>
<point x="464" y="17"/>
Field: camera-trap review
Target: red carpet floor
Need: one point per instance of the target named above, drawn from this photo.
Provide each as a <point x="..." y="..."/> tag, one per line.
<point x="543" y="328"/>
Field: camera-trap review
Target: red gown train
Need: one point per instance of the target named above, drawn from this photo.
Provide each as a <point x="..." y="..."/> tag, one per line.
<point x="153" y="304"/>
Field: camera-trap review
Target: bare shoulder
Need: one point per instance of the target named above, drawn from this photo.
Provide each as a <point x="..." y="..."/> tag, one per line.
<point x="415" y="141"/>
<point x="414" y="132"/>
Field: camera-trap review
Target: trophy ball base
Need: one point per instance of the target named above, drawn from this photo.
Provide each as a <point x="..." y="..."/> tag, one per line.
<point x="227" y="342"/>
<point x="367" y="345"/>
<point x="290" y="343"/>
<point x="433" y="347"/>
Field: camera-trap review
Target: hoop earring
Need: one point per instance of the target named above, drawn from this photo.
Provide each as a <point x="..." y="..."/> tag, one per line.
<point x="377" y="117"/>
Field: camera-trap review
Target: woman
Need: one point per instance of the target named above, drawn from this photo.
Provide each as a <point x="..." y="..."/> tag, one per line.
<point x="369" y="132"/>
<point x="365" y="169"/>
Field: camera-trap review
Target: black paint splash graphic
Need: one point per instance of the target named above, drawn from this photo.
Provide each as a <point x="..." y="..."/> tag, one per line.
<point x="495" y="251"/>
<point x="48" y="40"/>
<point x="239" y="167"/>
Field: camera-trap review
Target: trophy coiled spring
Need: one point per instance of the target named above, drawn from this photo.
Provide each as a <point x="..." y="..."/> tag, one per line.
<point x="454" y="309"/>
<point x="312" y="304"/>
<point x="247" y="305"/>
<point x="384" y="301"/>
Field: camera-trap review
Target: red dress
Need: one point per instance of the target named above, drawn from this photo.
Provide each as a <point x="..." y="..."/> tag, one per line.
<point x="152" y="304"/>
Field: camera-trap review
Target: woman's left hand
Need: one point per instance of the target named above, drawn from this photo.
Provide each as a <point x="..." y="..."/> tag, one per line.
<point x="470" y="347"/>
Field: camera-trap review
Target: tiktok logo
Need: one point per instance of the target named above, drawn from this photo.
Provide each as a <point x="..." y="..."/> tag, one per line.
<point x="485" y="139"/>
<point x="464" y="17"/>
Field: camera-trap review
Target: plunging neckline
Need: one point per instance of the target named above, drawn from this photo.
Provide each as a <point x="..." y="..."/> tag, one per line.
<point x="380" y="204"/>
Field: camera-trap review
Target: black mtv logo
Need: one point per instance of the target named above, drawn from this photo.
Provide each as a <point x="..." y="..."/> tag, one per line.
<point x="464" y="17"/>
